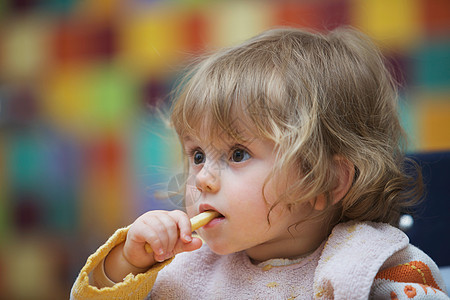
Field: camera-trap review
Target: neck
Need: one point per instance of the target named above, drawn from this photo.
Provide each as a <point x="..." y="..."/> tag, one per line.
<point x="298" y="242"/>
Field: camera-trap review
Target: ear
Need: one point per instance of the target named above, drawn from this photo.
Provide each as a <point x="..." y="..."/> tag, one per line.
<point x="345" y="173"/>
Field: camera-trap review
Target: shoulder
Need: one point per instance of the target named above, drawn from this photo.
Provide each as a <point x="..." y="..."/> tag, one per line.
<point x="361" y="231"/>
<point x="371" y="242"/>
<point x="355" y="255"/>
<point x="352" y="256"/>
<point x="407" y="274"/>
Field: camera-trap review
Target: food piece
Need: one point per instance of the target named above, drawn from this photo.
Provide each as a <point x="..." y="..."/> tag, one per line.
<point x="202" y="219"/>
<point x="196" y="222"/>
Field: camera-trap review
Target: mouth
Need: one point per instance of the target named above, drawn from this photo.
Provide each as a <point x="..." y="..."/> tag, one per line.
<point x="207" y="207"/>
<point x="216" y="220"/>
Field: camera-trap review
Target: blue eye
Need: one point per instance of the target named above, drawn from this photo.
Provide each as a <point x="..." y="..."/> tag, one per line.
<point x="198" y="157"/>
<point x="239" y="155"/>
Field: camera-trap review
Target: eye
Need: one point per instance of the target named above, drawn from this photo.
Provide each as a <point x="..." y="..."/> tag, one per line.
<point x="198" y="157"/>
<point x="240" y="155"/>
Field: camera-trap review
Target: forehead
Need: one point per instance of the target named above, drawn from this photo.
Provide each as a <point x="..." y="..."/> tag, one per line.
<point x="208" y="132"/>
<point x="234" y="95"/>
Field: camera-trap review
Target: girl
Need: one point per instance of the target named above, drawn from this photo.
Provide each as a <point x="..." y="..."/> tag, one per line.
<point x="293" y="137"/>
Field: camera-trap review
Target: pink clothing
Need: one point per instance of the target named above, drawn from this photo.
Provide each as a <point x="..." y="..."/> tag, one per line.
<point x="206" y="275"/>
<point x="358" y="261"/>
<point x="355" y="254"/>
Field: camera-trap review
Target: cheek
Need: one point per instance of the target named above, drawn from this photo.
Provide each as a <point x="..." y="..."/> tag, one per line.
<point x="247" y="201"/>
<point x="250" y="192"/>
<point x="269" y="193"/>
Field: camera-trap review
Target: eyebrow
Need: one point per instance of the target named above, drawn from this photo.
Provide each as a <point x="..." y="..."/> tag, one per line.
<point x="187" y="138"/>
<point x="245" y="139"/>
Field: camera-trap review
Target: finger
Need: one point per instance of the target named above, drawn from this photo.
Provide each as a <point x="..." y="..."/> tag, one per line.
<point x="187" y="247"/>
<point x="170" y="238"/>
<point x="136" y="239"/>
<point x="184" y="225"/>
<point x="155" y="233"/>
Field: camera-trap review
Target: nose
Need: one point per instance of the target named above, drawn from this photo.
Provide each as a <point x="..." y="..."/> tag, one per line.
<point x="208" y="179"/>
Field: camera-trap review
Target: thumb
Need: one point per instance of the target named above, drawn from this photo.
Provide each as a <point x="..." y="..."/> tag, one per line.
<point x="181" y="246"/>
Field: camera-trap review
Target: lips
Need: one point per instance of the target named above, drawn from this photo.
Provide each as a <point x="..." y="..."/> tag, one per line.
<point x="205" y="207"/>
<point x="214" y="222"/>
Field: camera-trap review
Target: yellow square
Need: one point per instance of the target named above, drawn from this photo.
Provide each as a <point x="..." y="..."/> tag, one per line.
<point x="236" y="21"/>
<point x="150" y="40"/>
<point x="391" y="23"/>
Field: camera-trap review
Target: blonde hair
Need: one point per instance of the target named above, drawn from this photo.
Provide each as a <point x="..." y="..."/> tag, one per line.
<point x="315" y="96"/>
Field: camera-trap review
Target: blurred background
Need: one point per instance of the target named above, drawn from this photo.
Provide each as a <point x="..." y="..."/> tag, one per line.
<point x="83" y="150"/>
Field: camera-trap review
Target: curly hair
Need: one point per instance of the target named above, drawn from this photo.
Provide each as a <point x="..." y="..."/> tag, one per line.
<point x="315" y="95"/>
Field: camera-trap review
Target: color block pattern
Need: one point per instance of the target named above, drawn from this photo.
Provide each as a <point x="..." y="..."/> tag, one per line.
<point x="80" y="80"/>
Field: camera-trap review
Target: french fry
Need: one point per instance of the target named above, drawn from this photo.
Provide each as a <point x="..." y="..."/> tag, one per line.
<point x="202" y="219"/>
<point x="197" y="221"/>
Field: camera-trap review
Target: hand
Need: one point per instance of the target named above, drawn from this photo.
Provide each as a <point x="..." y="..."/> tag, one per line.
<point x="167" y="232"/>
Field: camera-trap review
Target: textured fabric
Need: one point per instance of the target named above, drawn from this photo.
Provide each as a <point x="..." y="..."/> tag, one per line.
<point x="409" y="274"/>
<point x="99" y="278"/>
<point x="358" y="261"/>
<point x="352" y="257"/>
<point x="205" y="275"/>
<point x="133" y="287"/>
<point x="356" y="252"/>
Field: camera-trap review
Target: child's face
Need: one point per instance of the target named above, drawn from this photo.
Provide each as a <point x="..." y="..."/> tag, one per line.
<point x="229" y="177"/>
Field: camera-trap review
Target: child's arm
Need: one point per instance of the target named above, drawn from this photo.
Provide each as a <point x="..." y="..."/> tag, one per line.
<point x="156" y="228"/>
<point x="167" y="232"/>
<point x="409" y="273"/>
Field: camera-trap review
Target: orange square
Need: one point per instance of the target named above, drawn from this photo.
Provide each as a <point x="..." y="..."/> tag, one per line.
<point x="434" y="125"/>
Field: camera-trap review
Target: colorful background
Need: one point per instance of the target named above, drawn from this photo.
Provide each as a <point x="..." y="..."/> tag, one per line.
<point x="83" y="150"/>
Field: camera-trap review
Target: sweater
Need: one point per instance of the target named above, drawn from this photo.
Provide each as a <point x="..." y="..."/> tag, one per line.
<point x="358" y="261"/>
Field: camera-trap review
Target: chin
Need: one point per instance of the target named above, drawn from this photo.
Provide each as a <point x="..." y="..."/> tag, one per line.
<point x="219" y="249"/>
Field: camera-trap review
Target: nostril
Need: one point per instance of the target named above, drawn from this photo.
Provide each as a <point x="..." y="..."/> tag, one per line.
<point x="208" y="185"/>
<point x="207" y="180"/>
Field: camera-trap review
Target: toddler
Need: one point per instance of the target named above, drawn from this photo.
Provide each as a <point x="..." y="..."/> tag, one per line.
<point x="293" y="138"/>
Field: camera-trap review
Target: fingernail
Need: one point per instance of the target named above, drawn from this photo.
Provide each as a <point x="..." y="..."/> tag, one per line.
<point x="160" y="252"/>
<point x="187" y="238"/>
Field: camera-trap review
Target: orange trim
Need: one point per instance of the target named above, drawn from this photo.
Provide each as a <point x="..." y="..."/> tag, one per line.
<point x="414" y="272"/>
